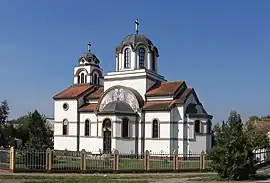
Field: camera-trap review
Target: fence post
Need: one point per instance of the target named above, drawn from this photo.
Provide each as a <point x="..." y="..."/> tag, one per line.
<point x="202" y="160"/>
<point x="48" y="165"/>
<point x="175" y="160"/>
<point x="83" y="160"/>
<point x="116" y="159"/>
<point x="146" y="160"/>
<point x="12" y="158"/>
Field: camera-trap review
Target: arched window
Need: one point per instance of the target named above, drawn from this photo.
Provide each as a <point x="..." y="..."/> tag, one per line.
<point x="82" y="77"/>
<point x="141" y="57"/>
<point x="85" y="80"/>
<point x="197" y="126"/>
<point x="209" y="127"/>
<point x="127" y="58"/>
<point x="79" y="79"/>
<point x="95" y="79"/>
<point x="87" y="128"/>
<point x="65" y="127"/>
<point x="153" y="61"/>
<point x="155" y="129"/>
<point x="125" y="128"/>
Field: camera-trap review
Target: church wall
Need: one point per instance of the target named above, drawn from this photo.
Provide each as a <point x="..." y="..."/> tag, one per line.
<point x="91" y="144"/>
<point x="65" y="142"/>
<point x="138" y="84"/>
<point x="157" y="146"/>
<point x="91" y="116"/>
<point x="179" y="129"/>
<point x="164" y="121"/>
<point x="199" y="145"/>
<point x="60" y="114"/>
<point x="198" y="142"/>
<point x="125" y="145"/>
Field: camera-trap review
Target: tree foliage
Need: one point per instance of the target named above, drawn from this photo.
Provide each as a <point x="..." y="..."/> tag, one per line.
<point x="40" y="136"/>
<point x="4" y="111"/>
<point x="31" y="128"/>
<point x="232" y="155"/>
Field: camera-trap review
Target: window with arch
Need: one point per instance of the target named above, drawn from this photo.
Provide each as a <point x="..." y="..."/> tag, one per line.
<point x="82" y="77"/>
<point x="65" y="127"/>
<point x="79" y="79"/>
<point x="125" y="128"/>
<point x="209" y="127"/>
<point x="141" y="57"/>
<point x="95" y="79"/>
<point x="127" y="58"/>
<point x="87" y="127"/>
<point x="85" y="79"/>
<point x="197" y="126"/>
<point x="155" y="129"/>
<point x="153" y="61"/>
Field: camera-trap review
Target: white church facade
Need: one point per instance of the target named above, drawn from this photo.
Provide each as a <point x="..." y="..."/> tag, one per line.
<point x="132" y="109"/>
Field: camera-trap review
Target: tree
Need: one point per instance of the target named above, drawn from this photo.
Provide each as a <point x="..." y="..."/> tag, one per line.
<point x="232" y="155"/>
<point x="40" y="138"/>
<point x="4" y="111"/>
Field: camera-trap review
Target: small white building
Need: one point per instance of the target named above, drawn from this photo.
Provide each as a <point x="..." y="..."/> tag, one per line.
<point x="132" y="109"/>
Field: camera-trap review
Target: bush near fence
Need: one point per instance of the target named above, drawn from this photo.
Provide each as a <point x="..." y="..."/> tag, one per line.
<point x="71" y="161"/>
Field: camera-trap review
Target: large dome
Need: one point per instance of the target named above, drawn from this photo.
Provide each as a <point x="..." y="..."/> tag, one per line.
<point x="134" y="40"/>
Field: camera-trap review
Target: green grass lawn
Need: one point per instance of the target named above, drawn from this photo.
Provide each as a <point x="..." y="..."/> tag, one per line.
<point x="122" y="178"/>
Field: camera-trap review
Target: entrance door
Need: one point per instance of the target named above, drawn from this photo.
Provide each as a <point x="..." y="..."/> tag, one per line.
<point x="107" y="142"/>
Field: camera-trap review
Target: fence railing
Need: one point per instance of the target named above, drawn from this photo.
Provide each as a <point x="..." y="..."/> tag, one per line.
<point x="4" y="158"/>
<point x="71" y="161"/>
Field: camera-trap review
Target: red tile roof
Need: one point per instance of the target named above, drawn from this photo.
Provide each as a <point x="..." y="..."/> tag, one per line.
<point x="96" y="94"/>
<point x="73" y="92"/>
<point x="158" y="105"/>
<point x="165" y="88"/>
<point x="88" y="107"/>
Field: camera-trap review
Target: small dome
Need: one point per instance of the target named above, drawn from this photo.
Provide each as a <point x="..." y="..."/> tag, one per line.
<point x="118" y="107"/>
<point x="89" y="58"/>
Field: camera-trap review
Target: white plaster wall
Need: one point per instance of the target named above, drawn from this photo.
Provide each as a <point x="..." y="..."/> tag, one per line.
<point x="137" y="79"/>
<point x="93" y="123"/>
<point x="91" y="144"/>
<point x="161" y="116"/>
<point x="60" y="114"/>
<point x="62" y="143"/>
<point x="158" y="146"/>
<point x="125" y="146"/>
<point x="138" y="84"/>
<point x="199" y="145"/>
<point x="159" y="98"/>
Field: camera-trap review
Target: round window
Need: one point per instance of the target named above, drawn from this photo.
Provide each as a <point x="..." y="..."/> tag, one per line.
<point x="65" y="106"/>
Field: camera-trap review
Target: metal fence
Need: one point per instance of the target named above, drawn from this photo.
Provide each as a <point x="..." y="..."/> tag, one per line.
<point x="73" y="161"/>
<point x="4" y="158"/>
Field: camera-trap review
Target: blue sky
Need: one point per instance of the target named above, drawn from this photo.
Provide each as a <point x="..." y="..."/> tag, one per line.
<point x="221" y="48"/>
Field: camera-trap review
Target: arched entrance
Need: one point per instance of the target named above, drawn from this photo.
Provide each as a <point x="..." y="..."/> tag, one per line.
<point x="107" y="136"/>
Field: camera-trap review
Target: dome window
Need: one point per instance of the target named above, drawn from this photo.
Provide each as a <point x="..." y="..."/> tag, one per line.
<point x="141" y="57"/>
<point x="127" y="58"/>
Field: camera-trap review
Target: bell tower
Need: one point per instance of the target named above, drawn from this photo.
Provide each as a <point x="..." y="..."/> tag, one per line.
<point x="88" y="70"/>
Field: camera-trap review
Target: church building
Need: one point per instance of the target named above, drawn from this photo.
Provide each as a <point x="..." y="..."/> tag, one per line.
<point x="132" y="109"/>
